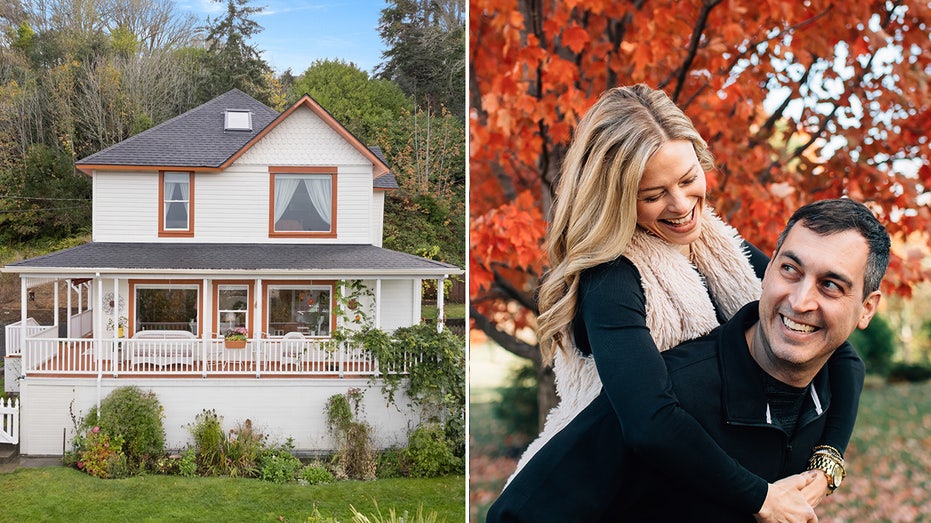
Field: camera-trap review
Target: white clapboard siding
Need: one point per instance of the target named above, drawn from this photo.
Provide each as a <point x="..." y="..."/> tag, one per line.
<point x="378" y="217"/>
<point x="233" y="205"/>
<point x="125" y="206"/>
<point x="396" y="299"/>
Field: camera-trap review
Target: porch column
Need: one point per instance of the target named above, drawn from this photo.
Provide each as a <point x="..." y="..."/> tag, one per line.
<point x="258" y="343"/>
<point x="440" y="314"/>
<point x="378" y="303"/>
<point x="116" y="307"/>
<point x="68" y="316"/>
<point x="24" y="354"/>
<point x="415" y="301"/>
<point x="56" y="302"/>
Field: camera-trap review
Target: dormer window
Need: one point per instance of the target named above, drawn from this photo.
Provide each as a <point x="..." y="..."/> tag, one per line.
<point x="238" y="120"/>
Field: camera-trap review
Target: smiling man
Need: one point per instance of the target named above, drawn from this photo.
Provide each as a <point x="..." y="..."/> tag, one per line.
<point x="759" y="384"/>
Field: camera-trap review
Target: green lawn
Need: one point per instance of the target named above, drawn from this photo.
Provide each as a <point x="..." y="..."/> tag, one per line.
<point x="65" y="494"/>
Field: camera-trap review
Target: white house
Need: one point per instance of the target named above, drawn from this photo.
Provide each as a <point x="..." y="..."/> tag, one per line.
<point x="229" y="216"/>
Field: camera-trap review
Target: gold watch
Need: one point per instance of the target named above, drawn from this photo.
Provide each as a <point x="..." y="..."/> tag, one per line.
<point x="831" y="465"/>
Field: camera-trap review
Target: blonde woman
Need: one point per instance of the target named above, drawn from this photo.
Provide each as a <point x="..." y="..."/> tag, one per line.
<point x="640" y="263"/>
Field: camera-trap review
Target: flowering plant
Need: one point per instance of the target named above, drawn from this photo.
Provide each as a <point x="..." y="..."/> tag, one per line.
<point x="237" y="334"/>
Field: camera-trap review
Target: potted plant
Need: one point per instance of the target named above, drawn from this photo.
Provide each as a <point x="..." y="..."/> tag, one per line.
<point x="236" y="338"/>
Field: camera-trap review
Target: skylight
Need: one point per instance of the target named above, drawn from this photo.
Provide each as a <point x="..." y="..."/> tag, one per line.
<point x="238" y="120"/>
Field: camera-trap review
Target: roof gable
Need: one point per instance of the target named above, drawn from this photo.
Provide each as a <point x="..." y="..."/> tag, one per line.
<point x="379" y="166"/>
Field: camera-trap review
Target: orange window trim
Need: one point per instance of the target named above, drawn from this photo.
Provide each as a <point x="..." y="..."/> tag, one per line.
<point x="175" y="233"/>
<point x="285" y="283"/>
<point x="132" y="300"/>
<point x="275" y="170"/>
<point x="250" y="309"/>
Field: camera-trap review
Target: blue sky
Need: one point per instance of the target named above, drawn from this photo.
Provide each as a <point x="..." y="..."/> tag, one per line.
<point x="298" y="32"/>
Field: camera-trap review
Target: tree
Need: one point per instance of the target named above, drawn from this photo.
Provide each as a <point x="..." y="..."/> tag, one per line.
<point x="426" y="51"/>
<point x="366" y="106"/>
<point x="798" y="101"/>
<point x="231" y="61"/>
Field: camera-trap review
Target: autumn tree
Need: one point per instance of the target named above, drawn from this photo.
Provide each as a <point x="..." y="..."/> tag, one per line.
<point x="798" y="101"/>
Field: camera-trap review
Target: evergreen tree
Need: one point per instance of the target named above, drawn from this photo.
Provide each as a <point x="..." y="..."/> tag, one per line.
<point x="230" y="61"/>
<point x="426" y="51"/>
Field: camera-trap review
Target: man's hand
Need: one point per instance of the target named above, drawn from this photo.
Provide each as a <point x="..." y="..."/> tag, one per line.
<point x="815" y="491"/>
<point x="785" y="502"/>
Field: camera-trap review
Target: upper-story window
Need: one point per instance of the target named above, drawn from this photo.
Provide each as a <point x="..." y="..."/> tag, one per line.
<point x="176" y="212"/>
<point x="303" y="202"/>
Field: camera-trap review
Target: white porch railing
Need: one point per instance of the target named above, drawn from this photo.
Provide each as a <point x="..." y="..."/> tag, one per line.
<point x="82" y="324"/>
<point x="9" y="420"/>
<point x="195" y="357"/>
<point x="14" y="335"/>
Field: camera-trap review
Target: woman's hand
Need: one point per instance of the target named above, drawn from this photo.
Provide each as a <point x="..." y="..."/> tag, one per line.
<point x="815" y="491"/>
<point x="785" y="502"/>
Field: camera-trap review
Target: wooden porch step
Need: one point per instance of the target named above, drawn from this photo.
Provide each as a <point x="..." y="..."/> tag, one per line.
<point x="8" y="453"/>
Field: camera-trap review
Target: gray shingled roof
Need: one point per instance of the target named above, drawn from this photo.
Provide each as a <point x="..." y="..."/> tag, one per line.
<point x="106" y="256"/>
<point x="192" y="139"/>
<point x="385" y="181"/>
<point x="197" y="138"/>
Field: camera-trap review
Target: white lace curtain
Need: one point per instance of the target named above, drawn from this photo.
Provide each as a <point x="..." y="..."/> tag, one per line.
<point x="177" y="200"/>
<point x="318" y="188"/>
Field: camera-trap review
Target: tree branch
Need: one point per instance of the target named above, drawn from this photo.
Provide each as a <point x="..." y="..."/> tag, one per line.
<point x="525" y="300"/>
<point x="694" y="42"/>
<point x="507" y="341"/>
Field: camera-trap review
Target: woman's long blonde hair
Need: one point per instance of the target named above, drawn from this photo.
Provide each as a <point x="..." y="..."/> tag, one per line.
<point x="595" y="210"/>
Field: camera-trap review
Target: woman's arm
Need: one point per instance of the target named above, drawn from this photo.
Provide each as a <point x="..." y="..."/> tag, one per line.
<point x="637" y="384"/>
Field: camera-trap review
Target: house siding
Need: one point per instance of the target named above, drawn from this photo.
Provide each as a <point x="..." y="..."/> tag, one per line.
<point x="126" y="207"/>
<point x="280" y="408"/>
<point x="233" y="205"/>
<point x="400" y="307"/>
<point x="378" y="217"/>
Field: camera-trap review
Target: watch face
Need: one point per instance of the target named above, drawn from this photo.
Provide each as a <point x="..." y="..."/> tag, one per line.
<point x="838" y="477"/>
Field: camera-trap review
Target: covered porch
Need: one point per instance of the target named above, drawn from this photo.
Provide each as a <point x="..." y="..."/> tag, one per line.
<point x="167" y="313"/>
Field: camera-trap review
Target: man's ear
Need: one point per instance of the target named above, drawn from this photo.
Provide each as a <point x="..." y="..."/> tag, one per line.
<point x="870" y="305"/>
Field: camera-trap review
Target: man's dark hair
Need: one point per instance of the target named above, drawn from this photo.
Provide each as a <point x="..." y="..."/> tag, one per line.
<point x="826" y="217"/>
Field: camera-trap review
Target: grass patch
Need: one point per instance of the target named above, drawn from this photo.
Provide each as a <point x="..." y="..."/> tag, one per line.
<point x="65" y="494"/>
<point x="453" y="311"/>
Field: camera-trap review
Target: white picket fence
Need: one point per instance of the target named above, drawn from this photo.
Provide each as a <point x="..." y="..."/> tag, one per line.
<point x="9" y="420"/>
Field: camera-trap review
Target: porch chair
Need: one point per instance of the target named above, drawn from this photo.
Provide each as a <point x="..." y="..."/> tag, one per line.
<point x="292" y="348"/>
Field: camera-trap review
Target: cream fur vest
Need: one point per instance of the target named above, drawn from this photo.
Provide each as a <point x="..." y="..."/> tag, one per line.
<point x="678" y="308"/>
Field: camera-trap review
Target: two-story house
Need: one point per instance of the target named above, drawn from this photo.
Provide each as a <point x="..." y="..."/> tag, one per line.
<point x="228" y="217"/>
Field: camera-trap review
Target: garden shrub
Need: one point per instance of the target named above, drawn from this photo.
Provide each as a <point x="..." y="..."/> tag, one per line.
<point x="429" y="452"/>
<point x="519" y="409"/>
<point x="876" y="345"/>
<point x="393" y="516"/>
<point x="101" y="455"/>
<point x="278" y="465"/>
<point x="316" y="474"/>
<point x="909" y="372"/>
<point x="136" y="417"/>
<point x="217" y="454"/>
<point x="355" y="455"/>
<point x="392" y="463"/>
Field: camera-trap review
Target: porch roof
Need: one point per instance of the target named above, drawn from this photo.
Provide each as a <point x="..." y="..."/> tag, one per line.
<point x="232" y="258"/>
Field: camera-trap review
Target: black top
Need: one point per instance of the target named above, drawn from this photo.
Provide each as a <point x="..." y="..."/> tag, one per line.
<point x="718" y="382"/>
<point x="611" y="325"/>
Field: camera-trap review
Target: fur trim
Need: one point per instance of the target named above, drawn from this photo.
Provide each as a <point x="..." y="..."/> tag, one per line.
<point x="678" y="308"/>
